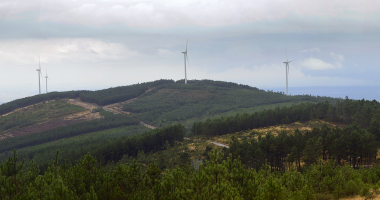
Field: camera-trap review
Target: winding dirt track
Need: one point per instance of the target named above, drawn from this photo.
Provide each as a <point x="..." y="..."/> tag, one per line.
<point x="115" y="108"/>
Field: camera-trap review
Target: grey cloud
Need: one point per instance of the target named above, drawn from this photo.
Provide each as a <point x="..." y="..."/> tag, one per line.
<point x="318" y="64"/>
<point x="311" y="15"/>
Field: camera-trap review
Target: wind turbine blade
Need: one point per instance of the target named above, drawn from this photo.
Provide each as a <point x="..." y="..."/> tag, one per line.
<point x="186" y="44"/>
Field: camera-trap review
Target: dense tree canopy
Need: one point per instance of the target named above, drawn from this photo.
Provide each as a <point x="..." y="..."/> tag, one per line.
<point x="119" y="94"/>
<point x="365" y="113"/>
<point x="217" y="179"/>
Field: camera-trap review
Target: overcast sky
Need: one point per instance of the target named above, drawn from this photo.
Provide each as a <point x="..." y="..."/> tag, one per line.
<point x="96" y="44"/>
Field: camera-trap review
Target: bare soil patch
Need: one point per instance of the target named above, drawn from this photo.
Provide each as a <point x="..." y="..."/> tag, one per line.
<point x="86" y="105"/>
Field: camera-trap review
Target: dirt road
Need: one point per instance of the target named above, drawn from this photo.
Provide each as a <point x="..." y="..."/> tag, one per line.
<point x="116" y="108"/>
<point x="219" y="144"/>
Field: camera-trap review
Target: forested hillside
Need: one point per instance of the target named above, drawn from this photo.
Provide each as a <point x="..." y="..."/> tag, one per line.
<point x="109" y="121"/>
<point x="119" y="94"/>
<point x="216" y="179"/>
<point x="171" y="103"/>
<point x="167" y="101"/>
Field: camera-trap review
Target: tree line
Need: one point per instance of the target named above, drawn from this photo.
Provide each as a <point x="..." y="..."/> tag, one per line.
<point x="217" y="179"/>
<point x="351" y="145"/>
<point x="365" y="113"/>
<point x="108" y="121"/>
<point x="150" y="141"/>
<point x="108" y="149"/>
<point x="119" y="94"/>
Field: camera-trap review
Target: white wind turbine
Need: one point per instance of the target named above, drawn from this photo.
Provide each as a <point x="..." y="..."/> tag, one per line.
<point x="186" y="58"/>
<point x="287" y="72"/>
<point x="46" y="77"/>
<point x="39" y="74"/>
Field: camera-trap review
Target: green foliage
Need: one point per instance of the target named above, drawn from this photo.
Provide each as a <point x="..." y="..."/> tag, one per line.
<point x="149" y="141"/>
<point x="365" y="190"/>
<point x="119" y="94"/>
<point x="322" y="196"/>
<point x="27" y="101"/>
<point x="198" y="100"/>
<point x="363" y="113"/>
<point x="73" y="148"/>
<point x="36" y="114"/>
<point x="218" y="179"/>
<point x="323" y="145"/>
<point x="109" y="121"/>
<point x="10" y="167"/>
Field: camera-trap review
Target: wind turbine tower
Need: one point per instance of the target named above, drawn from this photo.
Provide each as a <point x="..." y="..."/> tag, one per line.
<point x="287" y="73"/>
<point x="46" y="77"/>
<point x="186" y="58"/>
<point x="39" y="74"/>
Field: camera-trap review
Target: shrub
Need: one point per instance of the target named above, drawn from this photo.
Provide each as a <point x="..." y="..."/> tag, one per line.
<point x="351" y="188"/>
<point x="323" y="196"/>
<point x="365" y="190"/>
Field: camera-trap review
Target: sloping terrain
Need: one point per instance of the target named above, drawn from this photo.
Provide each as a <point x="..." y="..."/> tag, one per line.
<point x="40" y="117"/>
<point x="179" y="103"/>
<point x="165" y="102"/>
<point x="76" y="145"/>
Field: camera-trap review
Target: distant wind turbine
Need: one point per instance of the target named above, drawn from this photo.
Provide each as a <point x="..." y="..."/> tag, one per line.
<point x="39" y="74"/>
<point x="287" y="72"/>
<point x="186" y="58"/>
<point x="46" y="77"/>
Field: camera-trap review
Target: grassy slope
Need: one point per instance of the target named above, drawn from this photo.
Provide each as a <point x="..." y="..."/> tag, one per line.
<point x="37" y="113"/>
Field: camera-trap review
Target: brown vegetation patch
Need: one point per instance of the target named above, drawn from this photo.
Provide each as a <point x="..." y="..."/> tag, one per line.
<point x="86" y="115"/>
<point x="86" y="105"/>
<point x="5" y="136"/>
<point x="275" y="130"/>
<point x="55" y="123"/>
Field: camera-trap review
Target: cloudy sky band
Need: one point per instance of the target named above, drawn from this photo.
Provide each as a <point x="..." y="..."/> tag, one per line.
<point x="99" y="44"/>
